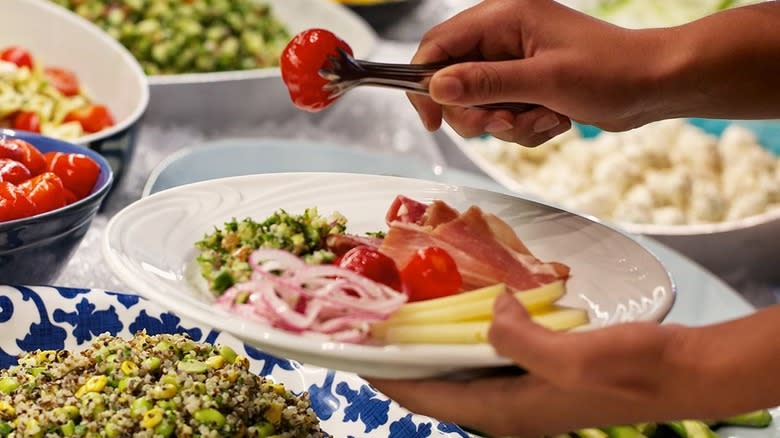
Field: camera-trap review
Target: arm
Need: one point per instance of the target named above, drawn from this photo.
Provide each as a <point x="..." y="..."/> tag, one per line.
<point x="729" y="63"/>
<point x="624" y="374"/>
<point x="587" y="70"/>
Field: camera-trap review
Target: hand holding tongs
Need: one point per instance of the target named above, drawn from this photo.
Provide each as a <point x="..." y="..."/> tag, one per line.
<point x="345" y="72"/>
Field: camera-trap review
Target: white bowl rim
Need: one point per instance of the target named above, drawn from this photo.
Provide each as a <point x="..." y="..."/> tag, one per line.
<point x="128" y="59"/>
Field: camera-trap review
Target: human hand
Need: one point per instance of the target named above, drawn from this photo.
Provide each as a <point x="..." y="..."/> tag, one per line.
<point x="617" y="375"/>
<point x="538" y="51"/>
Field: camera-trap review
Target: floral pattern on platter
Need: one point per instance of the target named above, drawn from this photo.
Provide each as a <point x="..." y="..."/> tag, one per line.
<point x="45" y="317"/>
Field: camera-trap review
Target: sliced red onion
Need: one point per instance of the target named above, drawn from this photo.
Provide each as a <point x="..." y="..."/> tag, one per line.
<point x="331" y="307"/>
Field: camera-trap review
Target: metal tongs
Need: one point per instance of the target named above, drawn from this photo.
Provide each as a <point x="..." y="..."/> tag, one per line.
<point x="345" y="72"/>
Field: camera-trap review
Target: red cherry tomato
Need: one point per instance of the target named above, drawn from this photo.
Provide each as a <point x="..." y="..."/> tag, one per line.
<point x="431" y="273"/>
<point x="18" y="56"/>
<point x="45" y="191"/>
<point x="27" y="121"/>
<point x="78" y="172"/>
<point x="14" y="204"/>
<point x="302" y="59"/>
<point x="65" y="81"/>
<point x="93" y="118"/>
<point x="23" y="152"/>
<point x="372" y="264"/>
<point x="70" y="198"/>
<point x="13" y="171"/>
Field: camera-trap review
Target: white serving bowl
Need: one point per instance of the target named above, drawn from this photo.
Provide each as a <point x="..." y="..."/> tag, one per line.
<point x="244" y="97"/>
<point x="107" y="70"/>
<point x="737" y="250"/>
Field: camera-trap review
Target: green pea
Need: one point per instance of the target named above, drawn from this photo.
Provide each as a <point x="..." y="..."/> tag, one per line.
<point x="163" y="346"/>
<point x="6" y="429"/>
<point x="165" y="428"/>
<point x="151" y="363"/>
<point x="111" y="430"/>
<point x="68" y="429"/>
<point x="170" y="379"/>
<point x="264" y="429"/>
<point x="68" y="411"/>
<point x="8" y="384"/>
<point x="139" y="406"/>
<point x="80" y="430"/>
<point x="210" y="417"/>
<point x="228" y="353"/>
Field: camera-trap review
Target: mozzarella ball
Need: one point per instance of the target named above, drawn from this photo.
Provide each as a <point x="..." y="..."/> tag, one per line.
<point x="616" y="170"/>
<point x="748" y="204"/>
<point x="697" y="152"/>
<point x="598" y="201"/>
<point x="669" y="216"/>
<point x="707" y="203"/>
<point x="734" y="140"/>
<point x="670" y="187"/>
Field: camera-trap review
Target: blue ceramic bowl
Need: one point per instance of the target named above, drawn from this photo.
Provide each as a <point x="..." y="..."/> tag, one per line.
<point x="34" y="250"/>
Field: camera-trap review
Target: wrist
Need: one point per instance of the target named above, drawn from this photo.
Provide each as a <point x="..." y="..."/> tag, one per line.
<point x="665" y="75"/>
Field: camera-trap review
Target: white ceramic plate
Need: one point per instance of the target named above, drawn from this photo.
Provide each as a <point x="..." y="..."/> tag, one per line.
<point x="149" y="246"/>
<point x="62" y="317"/>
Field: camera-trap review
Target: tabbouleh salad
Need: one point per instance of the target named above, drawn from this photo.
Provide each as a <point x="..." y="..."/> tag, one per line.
<point x="224" y="254"/>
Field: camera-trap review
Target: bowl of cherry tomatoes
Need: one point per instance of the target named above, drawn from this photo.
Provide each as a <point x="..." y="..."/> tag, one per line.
<point x="63" y="77"/>
<point x="50" y="191"/>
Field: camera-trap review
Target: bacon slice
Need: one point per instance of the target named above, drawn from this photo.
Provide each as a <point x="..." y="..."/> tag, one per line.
<point x="485" y="248"/>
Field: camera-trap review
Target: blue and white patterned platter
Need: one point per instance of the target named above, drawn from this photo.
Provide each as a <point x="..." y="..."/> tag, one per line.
<point x="43" y="317"/>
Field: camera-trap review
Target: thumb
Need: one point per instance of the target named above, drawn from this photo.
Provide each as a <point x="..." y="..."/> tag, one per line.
<point x="473" y="83"/>
<point x="514" y="335"/>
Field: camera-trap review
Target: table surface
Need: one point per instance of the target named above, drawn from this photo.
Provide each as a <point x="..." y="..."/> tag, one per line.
<point x="368" y="118"/>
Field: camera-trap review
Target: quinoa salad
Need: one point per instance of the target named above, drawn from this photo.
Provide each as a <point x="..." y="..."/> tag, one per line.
<point x="148" y="386"/>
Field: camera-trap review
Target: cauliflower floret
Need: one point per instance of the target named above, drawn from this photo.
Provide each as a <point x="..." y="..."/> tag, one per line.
<point x="697" y="151"/>
<point x="707" y="202"/>
<point x="668" y="216"/>
<point x="748" y="204"/>
<point x="616" y="170"/>
<point x="601" y="200"/>
<point x="633" y="212"/>
<point x="647" y="154"/>
<point x="641" y="195"/>
<point x="577" y="154"/>
<point x="606" y="144"/>
<point x="670" y="187"/>
<point x="771" y="185"/>
<point x="734" y="140"/>
<point x="741" y="178"/>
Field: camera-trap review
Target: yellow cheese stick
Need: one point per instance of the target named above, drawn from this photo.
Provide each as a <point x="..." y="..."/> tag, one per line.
<point x="471" y="308"/>
<point x="557" y="318"/>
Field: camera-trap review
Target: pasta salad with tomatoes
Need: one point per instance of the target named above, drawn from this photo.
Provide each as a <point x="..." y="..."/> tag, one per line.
<point x="47" y="100"/>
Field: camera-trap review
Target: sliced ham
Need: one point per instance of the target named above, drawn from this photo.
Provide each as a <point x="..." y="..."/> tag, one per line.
<point x="485" y="248"/>
<point x="405" y="210"/>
